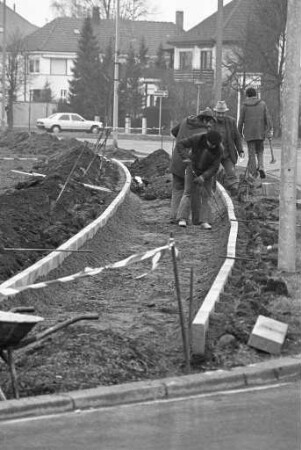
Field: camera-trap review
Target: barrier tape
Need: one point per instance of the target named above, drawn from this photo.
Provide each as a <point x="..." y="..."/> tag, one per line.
<point x="155" y="254"/>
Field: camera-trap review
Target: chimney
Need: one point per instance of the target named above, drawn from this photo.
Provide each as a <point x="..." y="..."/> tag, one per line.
<point x="95" y="14"/>
<point x="180" y="19"/>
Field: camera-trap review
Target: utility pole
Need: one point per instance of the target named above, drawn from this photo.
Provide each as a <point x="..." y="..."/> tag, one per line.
<point x="291" y="88"/>
<point x="116" y="78"/>
<point x="3" y="112"/>
<point x="219" y="51"/>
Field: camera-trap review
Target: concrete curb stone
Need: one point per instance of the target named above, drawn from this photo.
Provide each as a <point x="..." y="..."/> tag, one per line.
<point x="283" y="369"/>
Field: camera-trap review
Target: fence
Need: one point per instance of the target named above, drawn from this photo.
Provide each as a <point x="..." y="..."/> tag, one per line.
<point x="27" y="113"/>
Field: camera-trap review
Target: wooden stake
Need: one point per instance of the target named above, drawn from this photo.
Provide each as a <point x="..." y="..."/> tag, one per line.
<point x="13" y="373"/>
<point x="190" y="310"/>
<point x="181" y="312"/>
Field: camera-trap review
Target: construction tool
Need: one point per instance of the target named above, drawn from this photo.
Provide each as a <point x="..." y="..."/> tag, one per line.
<point x="273" y="160"/>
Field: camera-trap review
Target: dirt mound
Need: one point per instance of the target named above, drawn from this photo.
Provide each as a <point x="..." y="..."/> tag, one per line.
<point x="45" y="212"/>
<point x="40" y="144"/>
<point x="154" y="165"/>
<point x="119" y="153"/>
<point x="153" y="177"/>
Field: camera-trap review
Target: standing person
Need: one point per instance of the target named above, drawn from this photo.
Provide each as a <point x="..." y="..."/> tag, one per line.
<point x="202" y="165"/>
<point x="255" y="125"/>
<point x="190" y="125"/>
<point x="232" y="142"/>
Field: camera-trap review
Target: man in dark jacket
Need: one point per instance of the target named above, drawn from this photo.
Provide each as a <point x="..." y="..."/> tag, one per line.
<point x="189" y="126"/>
<point x="232" y="142"/>
<point x="203" y="160"/>
<point x="255" y="125"/>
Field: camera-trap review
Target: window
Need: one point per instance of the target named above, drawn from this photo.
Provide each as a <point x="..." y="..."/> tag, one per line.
<point x="185" y="60"/>
<point x="34" y="65"/>
<point x="206" y="59"/>
<point x="35" y="95"/>
<point x="58" y="66"/>
<point x="64" y="117"/>
<point x="77" y="118"/>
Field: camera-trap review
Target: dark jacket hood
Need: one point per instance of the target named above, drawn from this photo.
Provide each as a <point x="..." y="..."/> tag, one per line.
<point x="252" y="101"/>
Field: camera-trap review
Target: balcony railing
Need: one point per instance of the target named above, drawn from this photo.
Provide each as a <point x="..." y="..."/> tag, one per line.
<point x="194" y="75"/>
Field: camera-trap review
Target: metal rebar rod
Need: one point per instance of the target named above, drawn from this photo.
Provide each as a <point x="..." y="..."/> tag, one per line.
<point x="20" y="249"/>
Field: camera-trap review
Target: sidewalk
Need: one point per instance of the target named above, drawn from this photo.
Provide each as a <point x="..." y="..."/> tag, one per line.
<point x="273" y="169"/>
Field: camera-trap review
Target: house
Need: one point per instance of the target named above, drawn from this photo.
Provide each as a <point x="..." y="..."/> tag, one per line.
<point x="195" y="50"/>
<point x="14" y="23"/>
<point x="52" y="48"/>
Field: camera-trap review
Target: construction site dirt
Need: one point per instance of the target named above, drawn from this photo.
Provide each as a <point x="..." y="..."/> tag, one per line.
<point x="138" y="333"/>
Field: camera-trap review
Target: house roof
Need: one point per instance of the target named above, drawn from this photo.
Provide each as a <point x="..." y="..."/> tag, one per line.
<point x="60" y="35"/>
<point x="235" y="18"/>
<point x="15" y="22"/>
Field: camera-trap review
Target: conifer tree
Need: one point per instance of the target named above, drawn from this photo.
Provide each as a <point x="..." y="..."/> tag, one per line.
<point x="143" y="52"/>
<point x="85" y="87"/>
<point x="130" y="89"/>
<point x="107" y="68"/>
<point x="160" y="61"/>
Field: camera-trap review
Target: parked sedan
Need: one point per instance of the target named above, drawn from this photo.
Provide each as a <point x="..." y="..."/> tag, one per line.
<point x="68" y="122"/>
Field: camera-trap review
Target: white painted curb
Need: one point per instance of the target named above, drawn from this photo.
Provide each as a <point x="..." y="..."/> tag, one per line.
<point x="200" y="323"/>
<point x="55" y="259"/>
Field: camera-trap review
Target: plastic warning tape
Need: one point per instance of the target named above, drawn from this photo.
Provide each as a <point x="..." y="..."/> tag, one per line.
<point x="154" y="254"/>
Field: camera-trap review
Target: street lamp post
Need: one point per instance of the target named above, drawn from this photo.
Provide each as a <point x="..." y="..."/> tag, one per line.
<point x="291" y="89"/>
<point x="3" y="122"/>
<point x="116" y="79"/>
<point x="219" y="51"/>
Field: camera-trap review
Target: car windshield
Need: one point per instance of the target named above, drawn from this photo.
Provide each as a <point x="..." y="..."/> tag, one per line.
<point x="52" y="116"/>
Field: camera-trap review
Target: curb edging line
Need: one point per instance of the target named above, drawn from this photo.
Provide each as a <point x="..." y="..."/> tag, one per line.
<point x="272" y="371"/>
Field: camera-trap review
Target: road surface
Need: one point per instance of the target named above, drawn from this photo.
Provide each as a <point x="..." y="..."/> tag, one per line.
<point x="263" y="418"/>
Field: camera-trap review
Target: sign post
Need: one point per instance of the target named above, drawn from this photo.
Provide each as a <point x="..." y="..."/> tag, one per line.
<point x="160" y="93"/>
<point x="198" y="84"/>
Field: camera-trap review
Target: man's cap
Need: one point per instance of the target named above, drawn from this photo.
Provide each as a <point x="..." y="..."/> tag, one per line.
<point x="207" y="112"/>
<point x="221" y="106"/>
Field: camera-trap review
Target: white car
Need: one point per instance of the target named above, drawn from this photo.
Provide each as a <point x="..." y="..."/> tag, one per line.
<point x="68" y="122"/>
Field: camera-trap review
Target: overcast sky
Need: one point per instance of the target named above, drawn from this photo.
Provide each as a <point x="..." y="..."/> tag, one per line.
<point x="38" y="12"/>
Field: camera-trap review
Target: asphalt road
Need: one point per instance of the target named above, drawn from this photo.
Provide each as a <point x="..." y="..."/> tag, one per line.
<point x="259" y="418"/>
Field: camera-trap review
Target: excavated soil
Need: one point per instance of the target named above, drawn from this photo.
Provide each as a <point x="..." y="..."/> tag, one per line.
<point x="138" y="334"/>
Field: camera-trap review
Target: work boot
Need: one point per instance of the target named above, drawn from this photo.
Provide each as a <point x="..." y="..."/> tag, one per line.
<point x="182" y="223"/>
<point x="205" y="226"/>
<point x="261" y="173"/>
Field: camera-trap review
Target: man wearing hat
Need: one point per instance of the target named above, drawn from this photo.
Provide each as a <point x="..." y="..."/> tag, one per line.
<point x="193" y="124"/>
<point x="231" y="138"/>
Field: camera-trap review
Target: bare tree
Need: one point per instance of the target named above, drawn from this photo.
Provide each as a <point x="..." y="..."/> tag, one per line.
<point x="129" y="9"/>
<point x="15" y="71"/>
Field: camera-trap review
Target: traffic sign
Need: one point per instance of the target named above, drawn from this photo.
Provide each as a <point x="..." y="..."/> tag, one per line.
<point x="161" y="93"/>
